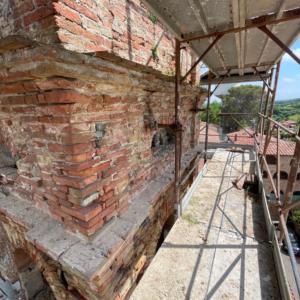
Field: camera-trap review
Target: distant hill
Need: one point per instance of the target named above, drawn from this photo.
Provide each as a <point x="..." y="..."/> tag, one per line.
<point x="287" y="110"/>
<point x="287" y="101"/>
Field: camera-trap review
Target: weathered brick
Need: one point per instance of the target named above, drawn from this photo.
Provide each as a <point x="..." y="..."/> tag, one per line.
<point x="85" y="213"/>
<point x="67" y="12"/>
<point x="75" y="182"/>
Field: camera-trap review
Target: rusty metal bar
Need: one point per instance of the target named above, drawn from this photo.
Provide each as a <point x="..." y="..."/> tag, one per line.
<point x="220" y="81"/>
<point x="267" y="140"/>
<point x="270" y="176"/>
<point x="207" y="116"/>
<point x="263" y="80"/>
<point x="249" y="133"/>
<point x="291" y="182"/>
<point x="283" y="46"/>
<point x="262" y="132"/>
<point x="290" y="206"/>
<point x="292" y="133"/>
<point x="177" y="124"/>
<point x="278" y="166"/>
<point x="292" y="175"/>
<point x="188" y="175"/>
<point x="260" y="109"/>
<point x="201" y="57"/>
<point x="252" y="23"/>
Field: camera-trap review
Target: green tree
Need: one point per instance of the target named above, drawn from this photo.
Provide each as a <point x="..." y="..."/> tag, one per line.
<point x="241" y="99"/>
<point x="215" y="109"/>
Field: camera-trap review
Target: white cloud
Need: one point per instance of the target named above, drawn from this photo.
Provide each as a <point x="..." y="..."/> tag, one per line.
<point x="288" y="80"/>
<point x="296" y="51"/>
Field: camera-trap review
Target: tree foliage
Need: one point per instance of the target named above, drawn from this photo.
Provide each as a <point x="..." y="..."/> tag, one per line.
<point x="287" y="110"/>
<point x="215" y="109"/>
<point x="241" y="99"/>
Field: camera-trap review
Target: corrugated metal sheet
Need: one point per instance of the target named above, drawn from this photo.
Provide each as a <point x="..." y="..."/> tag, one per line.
<point x="237" y="51"/>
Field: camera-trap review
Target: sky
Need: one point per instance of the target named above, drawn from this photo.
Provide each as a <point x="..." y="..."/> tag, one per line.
<point x="289" y="78"/>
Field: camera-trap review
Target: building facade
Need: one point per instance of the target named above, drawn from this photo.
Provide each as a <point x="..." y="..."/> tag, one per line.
<point x="87" y="143"/>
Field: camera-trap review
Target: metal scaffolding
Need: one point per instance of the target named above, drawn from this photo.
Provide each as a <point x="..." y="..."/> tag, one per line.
<point x="266" y="125"/>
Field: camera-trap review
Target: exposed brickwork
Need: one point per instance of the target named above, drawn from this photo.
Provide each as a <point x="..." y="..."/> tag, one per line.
<point x="128" y="247"/>
<point x="124" y="28"/>
<point x="85" y="147"/>
<point x="34" y="18"/>
<point x="81" y="128"/>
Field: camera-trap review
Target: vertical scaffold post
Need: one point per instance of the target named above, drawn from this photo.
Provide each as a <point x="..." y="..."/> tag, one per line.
<point x="207" y="116"/>
<point x="291" y="181"/>
<point x="177" y="127"/>
<point x="260" y="109"/>
<point x="271" y="109"/>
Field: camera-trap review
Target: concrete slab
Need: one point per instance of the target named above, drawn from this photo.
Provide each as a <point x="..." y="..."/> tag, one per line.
<point x="218" y="248"/>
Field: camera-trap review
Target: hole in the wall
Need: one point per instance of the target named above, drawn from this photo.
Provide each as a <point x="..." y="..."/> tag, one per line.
<point x="31" y="279"/>
<point x="163" y="140"/>
<point x="165" y="230"/>
<point x="22" y="260"/>
<point x="63" y="279"/>
<point x="283" y="175"/>
<point x="296" y="196"/>
<point x="6" y="158"/>
<point x="271" y="159"/>
<point x="100" y="129"/>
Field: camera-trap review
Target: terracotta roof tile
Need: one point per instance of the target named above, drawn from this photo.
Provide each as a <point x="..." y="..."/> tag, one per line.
<point x="213" y="133"/>
<point x="286" y="148"/>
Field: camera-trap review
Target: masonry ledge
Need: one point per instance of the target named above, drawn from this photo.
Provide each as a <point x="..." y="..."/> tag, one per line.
<point x="26" y="59"/>
<point x="77" y="254"/>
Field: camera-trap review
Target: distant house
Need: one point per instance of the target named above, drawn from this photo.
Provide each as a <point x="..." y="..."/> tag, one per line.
<point x="286" y="150"/>
<point x="289" y="124"/>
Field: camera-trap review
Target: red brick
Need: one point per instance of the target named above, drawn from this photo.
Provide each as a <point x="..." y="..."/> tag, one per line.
<point x="88" y="190"/>
<point x="88" y="231"/>
<point x="79" y="166"/>
<point x="89" y="171"/>
<point x="82" y="9"/>
<point x="63" y="96"/>
<point x="70" y="149"/>
<point x="90" y="223"/>
<point x="75" y="182"/>
<point x="107" y="196"/>
<point x="79" y="157"/>
<point x="67" y="12"/>
<point x="84" y="213"/>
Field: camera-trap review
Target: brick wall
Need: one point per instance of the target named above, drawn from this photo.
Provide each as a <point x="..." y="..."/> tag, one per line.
<point x="124" y="28"/>
<point x="83" y="132"/>
<point x="34" y="18"/>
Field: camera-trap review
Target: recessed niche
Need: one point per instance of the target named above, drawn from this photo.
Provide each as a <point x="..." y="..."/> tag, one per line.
<point x="163" y="140"/>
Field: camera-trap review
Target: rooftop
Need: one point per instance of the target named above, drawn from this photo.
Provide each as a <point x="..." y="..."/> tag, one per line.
<point x="286" y="148"/>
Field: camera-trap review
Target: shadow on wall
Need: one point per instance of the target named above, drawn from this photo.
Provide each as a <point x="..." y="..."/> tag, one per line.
<point x="129" y="33"/>
<point x="153" y="55"/>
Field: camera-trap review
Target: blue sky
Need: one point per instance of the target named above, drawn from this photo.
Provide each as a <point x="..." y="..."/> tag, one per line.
<point x="289" y="77"/>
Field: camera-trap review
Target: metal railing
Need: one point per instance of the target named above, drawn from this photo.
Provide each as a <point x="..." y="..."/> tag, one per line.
<point x="269" y="129"/>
